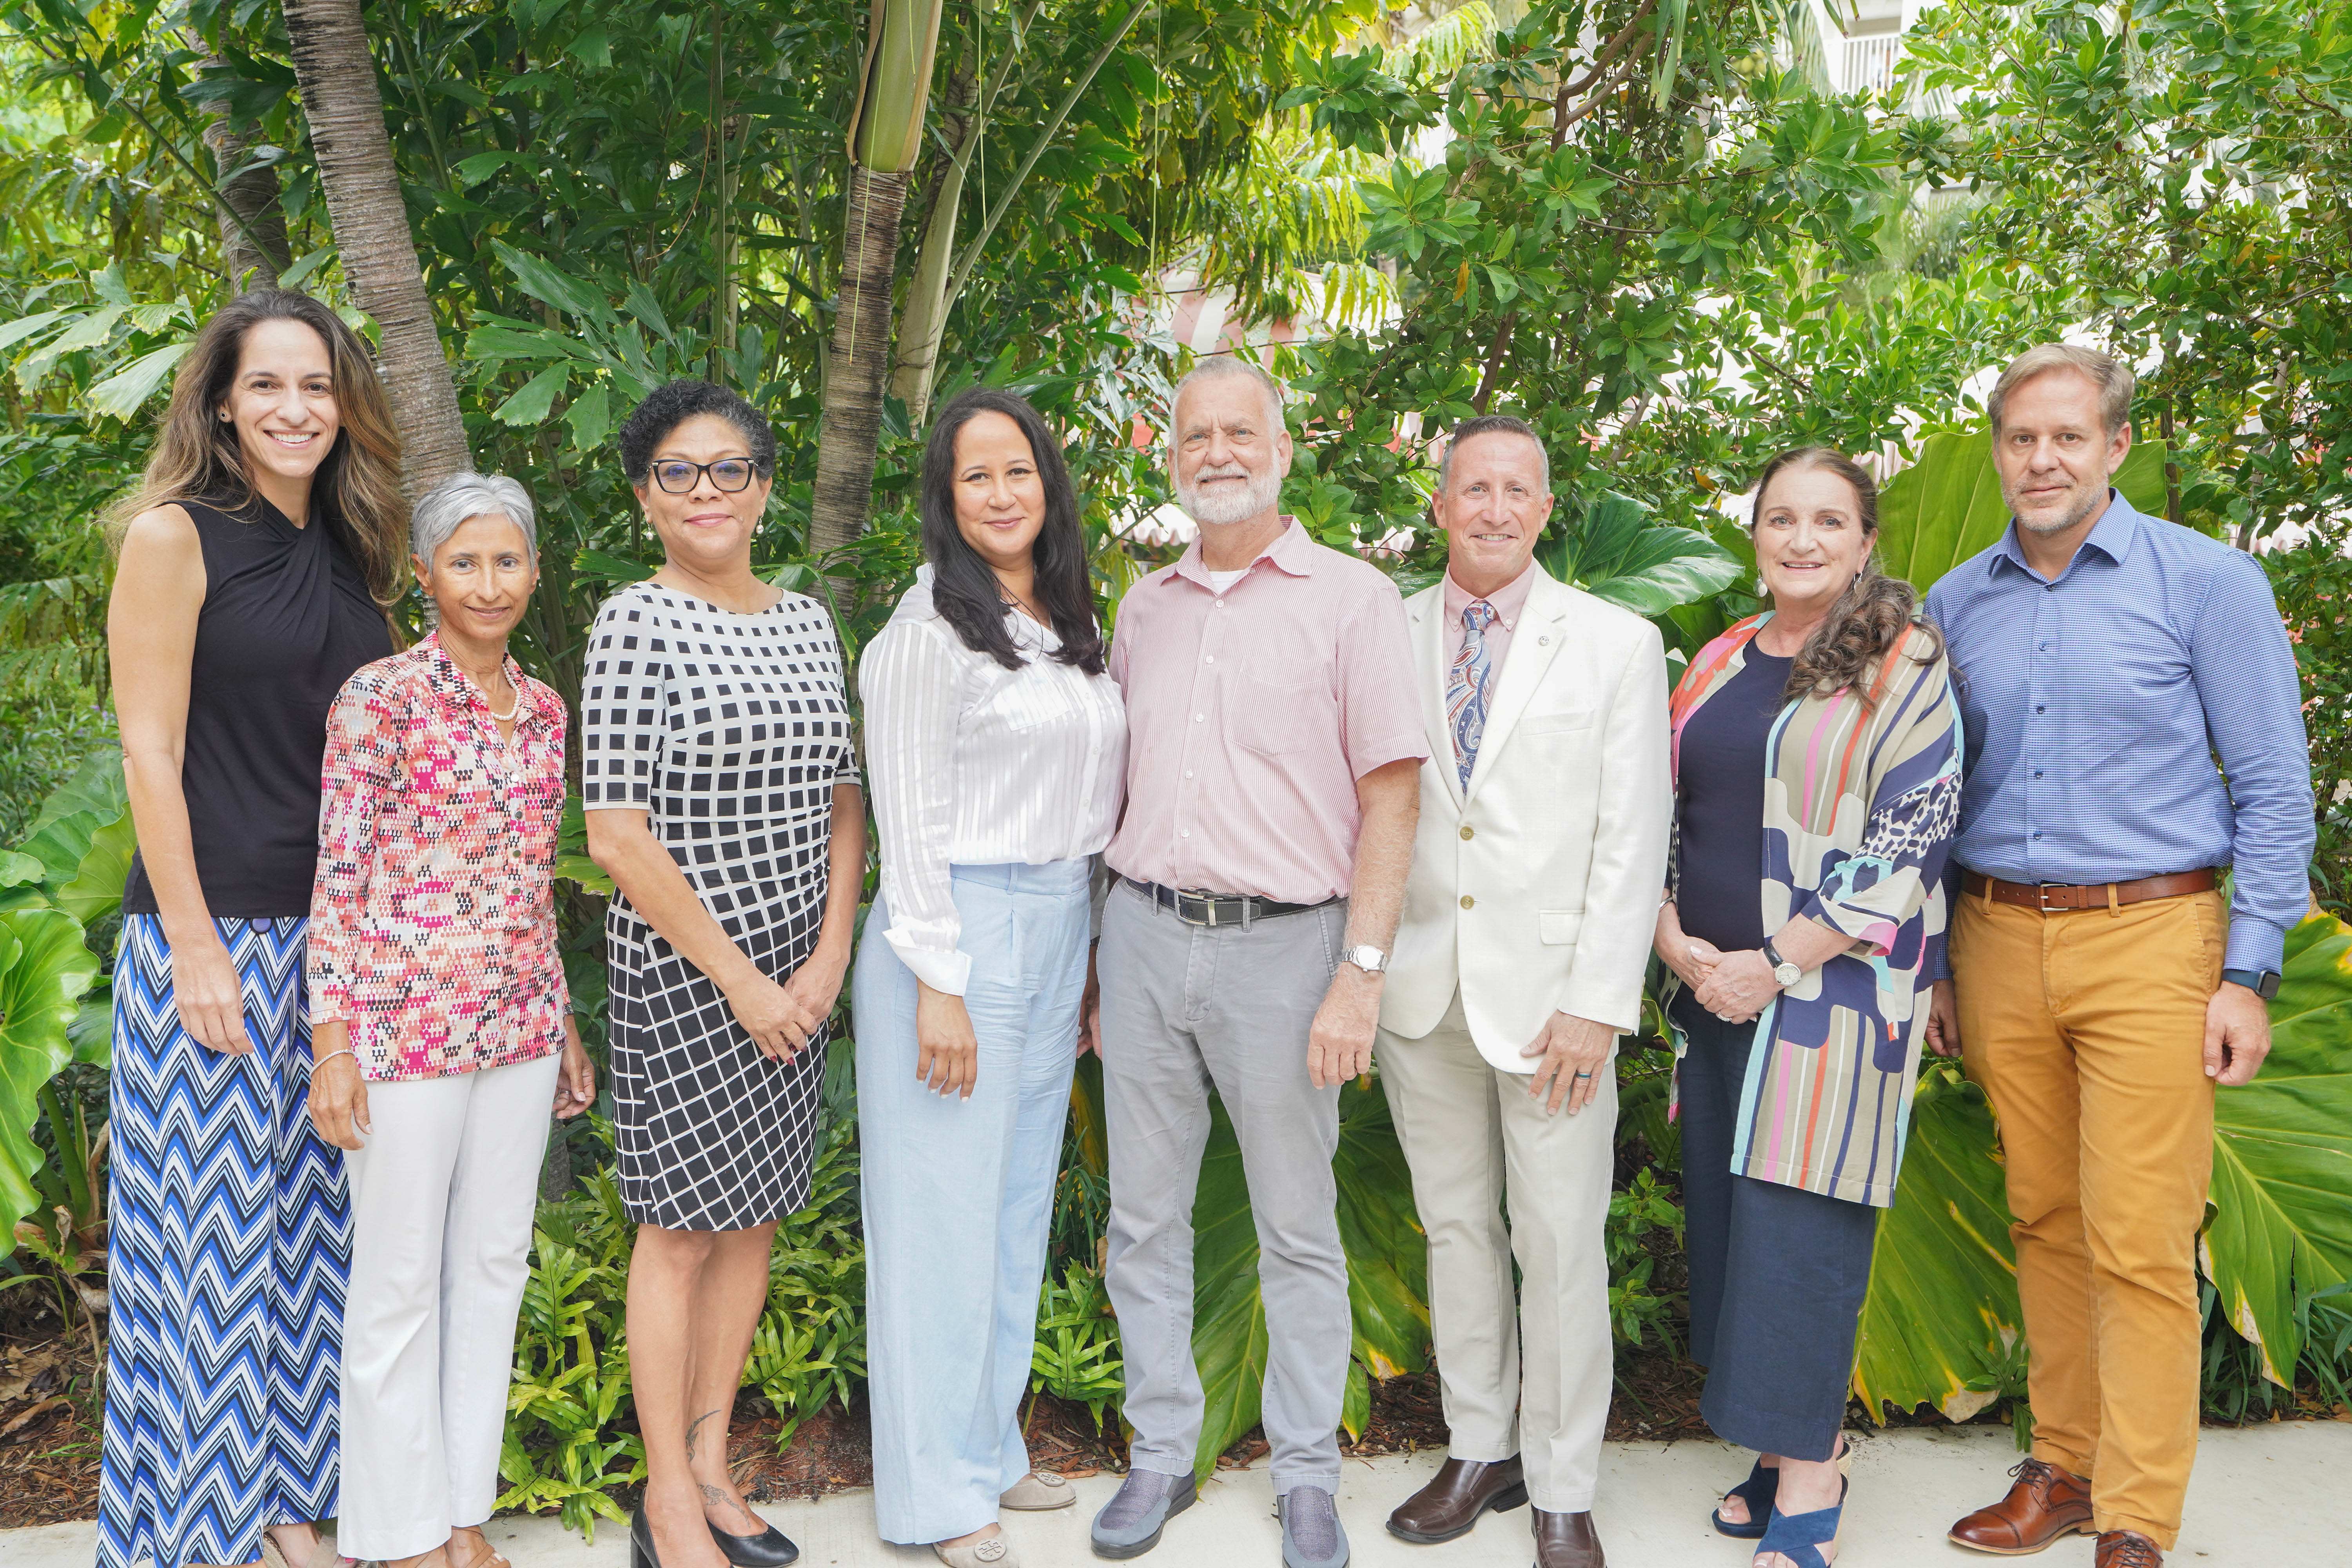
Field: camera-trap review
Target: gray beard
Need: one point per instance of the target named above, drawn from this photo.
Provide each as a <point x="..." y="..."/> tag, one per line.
<point x="2075" y="518"/>
<point x="1224" y="506"/>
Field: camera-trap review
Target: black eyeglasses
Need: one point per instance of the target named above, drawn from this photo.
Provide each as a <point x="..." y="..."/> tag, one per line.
<point x="730" y="474"/>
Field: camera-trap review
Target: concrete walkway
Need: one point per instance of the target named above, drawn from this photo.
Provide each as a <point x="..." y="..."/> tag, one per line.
<point x="2265" y="1496"/>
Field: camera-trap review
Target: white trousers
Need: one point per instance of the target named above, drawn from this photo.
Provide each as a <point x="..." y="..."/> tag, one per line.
<point x="1475" y="1140"/>
<point x="442" y="1200"/>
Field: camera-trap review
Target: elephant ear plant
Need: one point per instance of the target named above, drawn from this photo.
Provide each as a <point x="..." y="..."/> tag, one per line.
<point x="64" y="880"/>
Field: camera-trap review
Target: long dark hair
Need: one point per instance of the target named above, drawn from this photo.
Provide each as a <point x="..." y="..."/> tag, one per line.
<point x="1874" y="613"/>
<point x="198" y="457"/>
<point x="964" y="588"/>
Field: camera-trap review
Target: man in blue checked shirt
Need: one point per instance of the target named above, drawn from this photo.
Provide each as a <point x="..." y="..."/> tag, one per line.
<point x="2134" y="727"/>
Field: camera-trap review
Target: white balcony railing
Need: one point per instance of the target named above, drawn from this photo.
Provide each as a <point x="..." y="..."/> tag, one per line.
<point x="1869" y="63"/>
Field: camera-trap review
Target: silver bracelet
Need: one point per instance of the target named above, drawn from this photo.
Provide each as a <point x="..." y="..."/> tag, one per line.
<point x="331" y="1056"/>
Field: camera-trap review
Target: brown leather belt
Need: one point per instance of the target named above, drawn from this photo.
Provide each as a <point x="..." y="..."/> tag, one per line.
<point x="2052" y="897"/>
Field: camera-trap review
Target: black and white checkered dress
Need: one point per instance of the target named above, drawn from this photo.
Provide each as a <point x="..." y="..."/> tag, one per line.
<point x="731" y="732"/>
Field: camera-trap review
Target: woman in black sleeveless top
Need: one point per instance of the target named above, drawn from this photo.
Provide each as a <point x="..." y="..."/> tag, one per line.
<point x="256" y="559"/>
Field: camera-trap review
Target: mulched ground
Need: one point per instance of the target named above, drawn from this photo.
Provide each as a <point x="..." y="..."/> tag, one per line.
<point x="48" y="1417"/>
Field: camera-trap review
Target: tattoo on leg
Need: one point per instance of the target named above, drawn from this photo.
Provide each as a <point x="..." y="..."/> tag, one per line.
<point x="720" y="1499"/>
<point x="694" y="1431"/>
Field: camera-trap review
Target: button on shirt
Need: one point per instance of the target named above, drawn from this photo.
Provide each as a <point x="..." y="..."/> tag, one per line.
<point x="1251" y="714"/>
<point x="433" y="917"/>
<point x="975" y="764"/>
<point x="2097" y="702"/>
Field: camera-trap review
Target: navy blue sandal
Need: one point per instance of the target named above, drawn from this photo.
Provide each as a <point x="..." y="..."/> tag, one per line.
<point x="1799" y="1537"/>
<point x="1756" y="1492"/>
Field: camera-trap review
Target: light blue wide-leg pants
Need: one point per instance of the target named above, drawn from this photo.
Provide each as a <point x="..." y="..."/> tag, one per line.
<point x="959" y="1193"/>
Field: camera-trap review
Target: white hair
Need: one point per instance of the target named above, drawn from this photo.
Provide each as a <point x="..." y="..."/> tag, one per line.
<point x="458" y="499"/>
<point x="1218" y="367"/>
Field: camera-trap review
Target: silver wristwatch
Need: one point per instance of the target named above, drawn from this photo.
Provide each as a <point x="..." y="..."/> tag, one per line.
<point x="1784" y="972"/>
<point x="1367" y="957"/>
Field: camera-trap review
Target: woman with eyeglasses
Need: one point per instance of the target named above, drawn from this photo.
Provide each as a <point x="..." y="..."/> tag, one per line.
<point x="723" y="800"/>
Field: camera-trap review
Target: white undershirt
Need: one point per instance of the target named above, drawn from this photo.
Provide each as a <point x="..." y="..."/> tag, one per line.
<point x="1221" y="581"/>
<point x="975" y="764"/>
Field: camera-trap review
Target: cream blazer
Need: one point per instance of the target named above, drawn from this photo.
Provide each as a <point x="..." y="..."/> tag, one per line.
<point x="1537" y="888"/>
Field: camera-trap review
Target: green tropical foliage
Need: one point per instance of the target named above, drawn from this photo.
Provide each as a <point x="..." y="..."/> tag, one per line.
<point x="2281" y="1233"/>
<point x="1941" y="1322"/>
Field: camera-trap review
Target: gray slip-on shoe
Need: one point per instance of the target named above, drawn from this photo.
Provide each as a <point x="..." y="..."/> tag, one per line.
<point x="1130" y="1524"/>
<point x="1311" y="1536"/>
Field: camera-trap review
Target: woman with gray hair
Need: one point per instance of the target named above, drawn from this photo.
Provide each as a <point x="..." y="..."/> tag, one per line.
<point x="441" y="1029"/>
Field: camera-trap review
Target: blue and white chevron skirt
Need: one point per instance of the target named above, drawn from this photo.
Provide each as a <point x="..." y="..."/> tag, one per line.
<point x="230" y="1243"/>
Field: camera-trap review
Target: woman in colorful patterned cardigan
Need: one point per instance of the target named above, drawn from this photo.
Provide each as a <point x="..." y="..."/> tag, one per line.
<point x="442" y="1027"/>
<point x="1817" y="780"/>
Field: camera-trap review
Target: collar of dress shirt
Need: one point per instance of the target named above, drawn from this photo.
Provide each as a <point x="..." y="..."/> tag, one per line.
<point x="1509" y="600"/>
<point x="456" y="690"/>
<point x="2111" y="536"/>
<point x="1292" y="551"/>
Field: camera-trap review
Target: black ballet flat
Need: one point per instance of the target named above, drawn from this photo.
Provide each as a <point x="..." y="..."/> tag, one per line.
<point x="772" y="1548"/>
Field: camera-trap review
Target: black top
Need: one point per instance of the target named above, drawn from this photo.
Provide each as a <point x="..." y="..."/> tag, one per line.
<point x="1721" y="895"/>
<point x="286" y="618"/>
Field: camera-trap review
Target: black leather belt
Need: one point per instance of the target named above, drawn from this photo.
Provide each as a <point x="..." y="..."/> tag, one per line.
<point x="1200" y="909"/>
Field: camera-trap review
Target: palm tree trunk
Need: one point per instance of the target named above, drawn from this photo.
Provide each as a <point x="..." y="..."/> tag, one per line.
<point x="860" y="353"/>
<point x="886" y="142"/>
<point x="345" y="111"/>
<point x="254" y="247"/>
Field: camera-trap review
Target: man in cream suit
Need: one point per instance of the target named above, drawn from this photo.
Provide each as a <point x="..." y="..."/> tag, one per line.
<point x="1541" y="848"/>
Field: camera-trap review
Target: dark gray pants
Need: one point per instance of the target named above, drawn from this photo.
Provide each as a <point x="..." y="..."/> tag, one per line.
<point x="1776" y="1274"/>
<point x="1186" y="1009"/>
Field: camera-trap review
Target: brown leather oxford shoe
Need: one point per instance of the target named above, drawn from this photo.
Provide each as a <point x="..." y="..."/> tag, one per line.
<point x="2045" y="1503"/>
<point x="1568" y="1541"/>
<point x="1455" y="1498"/>
<point x="2127" y="1549"/>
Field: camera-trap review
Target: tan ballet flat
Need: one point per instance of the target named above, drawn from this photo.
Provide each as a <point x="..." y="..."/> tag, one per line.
<point x="996" y="1552"/>
<point x="1038" y="1491"/>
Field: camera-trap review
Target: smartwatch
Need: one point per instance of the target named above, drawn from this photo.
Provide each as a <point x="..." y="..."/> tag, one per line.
<point x="1784" y="973"/>
<point x="2262" y="982"/>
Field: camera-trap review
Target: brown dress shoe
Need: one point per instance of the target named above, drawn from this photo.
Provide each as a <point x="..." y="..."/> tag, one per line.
<point x="1455" y="1498"/>
<point x="1569" y="1541"/>
<point x="2127" y="1549"/>
<point x="2046" y="1503"/>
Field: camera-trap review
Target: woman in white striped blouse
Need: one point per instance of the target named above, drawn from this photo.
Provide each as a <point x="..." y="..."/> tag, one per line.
<point x="996" y="744"/>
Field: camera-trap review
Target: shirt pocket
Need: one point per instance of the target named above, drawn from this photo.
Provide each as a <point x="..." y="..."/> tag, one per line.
<point x="1274" y="718"/>
<point x="1032" y="698"/>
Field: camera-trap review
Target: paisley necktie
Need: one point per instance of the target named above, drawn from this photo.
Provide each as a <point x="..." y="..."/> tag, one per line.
<point x="1465" y="689"/>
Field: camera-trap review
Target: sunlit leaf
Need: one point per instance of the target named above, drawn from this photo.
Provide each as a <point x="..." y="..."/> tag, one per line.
<point x="123" y="393"/>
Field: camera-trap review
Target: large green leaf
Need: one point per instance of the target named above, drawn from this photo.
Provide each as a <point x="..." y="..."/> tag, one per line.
<point x="83" y="839"/>
<point x="45" y="966"/>
<point x="1618" y="554"/>
<point x="1386" y="1257"/>
<point x="1947" y="506"/>
<point x="1941" y="1322"/>
<point x="2282" y="1197"/>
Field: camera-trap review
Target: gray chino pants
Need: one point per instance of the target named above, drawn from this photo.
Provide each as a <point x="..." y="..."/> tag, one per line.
<point x="1185" y="1009"/>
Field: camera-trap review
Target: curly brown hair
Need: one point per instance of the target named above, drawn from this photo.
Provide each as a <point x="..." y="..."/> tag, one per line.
<point x="1870" y="616"/>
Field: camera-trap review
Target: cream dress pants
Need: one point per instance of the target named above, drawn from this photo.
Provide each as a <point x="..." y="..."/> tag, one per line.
<point x="442" y="1199"/>
<point x="1532" y="1375"/>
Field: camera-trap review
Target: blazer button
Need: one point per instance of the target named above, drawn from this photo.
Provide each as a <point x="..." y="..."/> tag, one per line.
<point x="1466" y="831"/>
<point x="1468" y="902"/>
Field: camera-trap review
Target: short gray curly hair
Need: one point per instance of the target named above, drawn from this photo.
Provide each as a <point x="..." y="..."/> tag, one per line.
<point x="456" y="501"/>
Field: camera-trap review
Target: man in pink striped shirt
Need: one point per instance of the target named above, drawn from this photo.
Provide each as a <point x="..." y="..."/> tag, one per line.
<point x="1274" y="752"/>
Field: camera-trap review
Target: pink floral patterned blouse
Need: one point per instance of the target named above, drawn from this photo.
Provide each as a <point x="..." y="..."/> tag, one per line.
<point x="433" y="918"/>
